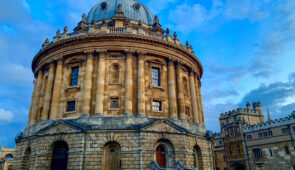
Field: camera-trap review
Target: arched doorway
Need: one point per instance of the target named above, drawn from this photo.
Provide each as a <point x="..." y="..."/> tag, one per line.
<point x="59" y="156"/>
<point x="111" y="156"/>
<point x="197" y="153"/>
<point x="165" y="154"/>
<point x="238" y="166"/>
<point x="26" y="160"/>
<point x="161" y="156"/>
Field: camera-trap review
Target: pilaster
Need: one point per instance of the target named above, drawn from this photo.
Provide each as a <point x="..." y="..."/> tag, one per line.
<point x="87" y="82"/>
<point x="172" y="89"/>
<point x="141" y="84"/>
<point x="194" y="98"/>
<point x="48" y="92"/>
<point x="100" y="81"/>
<point x="180" y="95"/>
<point x="128" y="82"/>
<point x="56" y="90"/>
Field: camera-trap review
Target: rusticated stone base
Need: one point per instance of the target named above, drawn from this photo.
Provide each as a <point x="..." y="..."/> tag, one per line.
<point x="137" y="138"/>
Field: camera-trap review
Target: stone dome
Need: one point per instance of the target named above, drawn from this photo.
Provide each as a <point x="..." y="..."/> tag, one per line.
<point x="132" y="9"/>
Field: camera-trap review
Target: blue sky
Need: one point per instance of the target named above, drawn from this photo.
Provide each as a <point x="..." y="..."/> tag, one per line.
<point x="246" y="48"/>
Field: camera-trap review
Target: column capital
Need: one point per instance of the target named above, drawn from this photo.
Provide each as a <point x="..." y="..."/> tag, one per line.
<point x="178" y="64"/>
<point x="59" y="60"/>
<point x="89" y="53"/>
<point x="129" y="52"/>
<point x="191" y="72"/>
<point x="101" y="51"/>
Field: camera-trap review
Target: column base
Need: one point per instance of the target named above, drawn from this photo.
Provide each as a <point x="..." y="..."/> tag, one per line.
<point x="97" y="115"/>
<point x="140" y="115"/>
<point x="128" y="114"/>
<point x="173" y="118"/>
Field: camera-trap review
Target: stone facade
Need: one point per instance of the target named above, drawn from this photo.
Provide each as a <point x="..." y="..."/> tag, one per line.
<point x="232" y="124"/>
<point x="219" y="154"/>
<point x="115" y="93"/>
<point x="271" y="145"/>
<point x="6" y="158"/>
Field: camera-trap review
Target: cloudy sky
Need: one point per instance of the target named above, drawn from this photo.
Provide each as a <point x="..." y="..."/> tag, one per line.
<point x="246" y="47"/>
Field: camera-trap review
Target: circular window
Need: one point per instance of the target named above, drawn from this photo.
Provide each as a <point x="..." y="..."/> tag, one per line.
<point x="103" y="6"/>
<point x="136" y="7"/>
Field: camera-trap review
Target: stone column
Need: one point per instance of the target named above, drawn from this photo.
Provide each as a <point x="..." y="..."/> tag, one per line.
<point x="199" y="101"/>
<point x="32" y="102"/>
<point x="35" y="107"/>
<point x="87" y="83"/>
<point x="141" y="85"/>
<point x="48" y="92"/>
<point x="128" y="83"/>
<point x="172" y="89"/>
<point x="100" y="82"/>
<point x="180" y="95"/>
<point x="56" y="90"/>
<point x="194" y="98"/>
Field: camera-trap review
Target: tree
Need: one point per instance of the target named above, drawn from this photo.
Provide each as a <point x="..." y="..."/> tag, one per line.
<point x="293" y="114"/>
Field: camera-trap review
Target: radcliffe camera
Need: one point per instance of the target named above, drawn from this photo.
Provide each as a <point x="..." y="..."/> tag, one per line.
<point x="147" y="85"/>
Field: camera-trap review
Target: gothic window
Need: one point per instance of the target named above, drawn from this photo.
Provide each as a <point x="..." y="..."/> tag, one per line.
<point x="115" y="73"/>
<point x="111" y="156"/>
<point x="260" y="135"/>
<point x="249" y="137"/>
<point x="257" y="153"/>
<point x="103" y="6"/>
<point x="71" y="106"/>
<point x="185" y="85"/>
<point x="155" y="76"/>
<point x="265" y="134"/>
<point x="157" y="105"/>
<point x="74" y="76"/>
<point x="26" y="160"/>
<point x="59" y="156"/>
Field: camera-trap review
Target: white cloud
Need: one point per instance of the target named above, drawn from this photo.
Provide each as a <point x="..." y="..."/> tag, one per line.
<point x="6" y="115"/>
<point x="14" y="73"/>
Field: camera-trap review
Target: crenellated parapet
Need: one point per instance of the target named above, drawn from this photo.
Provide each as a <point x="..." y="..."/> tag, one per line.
<point x="269" y="124"/>
<point x="256" y="110"/>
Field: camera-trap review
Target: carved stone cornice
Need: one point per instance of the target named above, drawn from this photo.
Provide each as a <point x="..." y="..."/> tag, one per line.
<point x="189" y="59"/>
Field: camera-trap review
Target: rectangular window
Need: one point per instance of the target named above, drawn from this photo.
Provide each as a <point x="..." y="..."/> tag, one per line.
<point x="270" y="133"/>
<point x="220" y="142"/>
<point x="71" y="106"/>
<point x="286" y="130"/>
<point x="75" y="76"/>
<point x="249" y="137"/>
<point x="114" y="102"/>
<point x="155" y="76"/>
<point x="187" y="111"/>
<point x="157" y="106"/>
<point x="270" y="152"/>
<point x="260" y="135"/>
<point x="265" y="134"/>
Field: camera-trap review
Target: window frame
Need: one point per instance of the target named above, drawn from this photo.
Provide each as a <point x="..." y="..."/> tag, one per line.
<point x="67" y="106"/>
<point x="71" y="76"/>
<point x="110" y="105"/>
<point x="161" y="105"/>
<point x="110" y="74"/>
<point x="158" y="77"/>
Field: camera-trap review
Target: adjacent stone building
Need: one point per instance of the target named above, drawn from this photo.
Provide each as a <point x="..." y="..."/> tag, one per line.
<point x="248" y="142"/>
<point x="271" y="144"/>
<point x="117" y="93"/>
<point x="6" y="158"/>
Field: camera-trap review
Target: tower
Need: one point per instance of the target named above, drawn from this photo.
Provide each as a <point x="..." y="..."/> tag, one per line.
<point x="118" y="92"/>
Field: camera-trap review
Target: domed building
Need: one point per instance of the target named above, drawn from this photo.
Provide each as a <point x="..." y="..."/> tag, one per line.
<point x="117" y="93"/>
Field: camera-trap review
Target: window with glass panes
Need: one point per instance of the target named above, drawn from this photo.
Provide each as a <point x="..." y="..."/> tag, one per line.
<point x="71" y="106"/>
<point x="157" y="106"/>
<point x="75" y="76"/>
<point x="155" y="76"/>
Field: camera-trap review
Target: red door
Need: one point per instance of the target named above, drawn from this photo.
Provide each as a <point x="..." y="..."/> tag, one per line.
<point x="160" y="157"/>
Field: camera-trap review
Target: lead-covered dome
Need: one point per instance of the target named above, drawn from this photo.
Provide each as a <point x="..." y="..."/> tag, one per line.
<point x="132" y="9"/>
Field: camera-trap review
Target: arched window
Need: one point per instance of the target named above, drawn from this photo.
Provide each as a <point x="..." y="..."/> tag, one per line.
<point x="26" y="160"/>
<point x="59" y="156"/>
<point x="185" y="85"/>
<point x="164" y="154"/>
<point x="198" y="162"/>
<point x="257" y="154"/>
<point x="115" y="73"/>
<point x="111" y="156"/>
